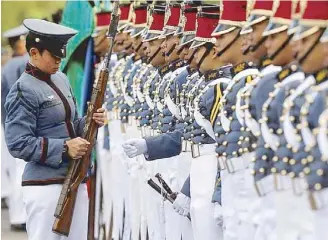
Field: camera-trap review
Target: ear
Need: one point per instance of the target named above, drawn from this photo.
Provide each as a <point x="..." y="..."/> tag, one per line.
<point x="34" y="53"/>
<point x="213" y="52"/>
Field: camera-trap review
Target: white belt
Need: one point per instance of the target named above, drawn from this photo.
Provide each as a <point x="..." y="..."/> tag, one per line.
<point x="236" y="164"/>
<point x="265" y="185"/>
<point x="282" y="182"/>
<point x="203" y="149"/>
<point x="319" y="199"/>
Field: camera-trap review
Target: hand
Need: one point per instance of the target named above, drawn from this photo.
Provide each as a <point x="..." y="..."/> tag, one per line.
<point x="218" y="214"/>
<point x="99" y="117"/>
<point x="77" y="147"/>
<point x="182" y="204"/>
<point x="135" y="147"/>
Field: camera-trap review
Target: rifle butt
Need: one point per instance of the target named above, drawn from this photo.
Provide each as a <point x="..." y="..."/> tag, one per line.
<point x="62" y="224"/>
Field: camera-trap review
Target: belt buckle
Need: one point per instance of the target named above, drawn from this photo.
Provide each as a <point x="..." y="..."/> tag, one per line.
<point x="221" y="164"/>
<point x="229" y="166"/>
<point x="195" y="153"/>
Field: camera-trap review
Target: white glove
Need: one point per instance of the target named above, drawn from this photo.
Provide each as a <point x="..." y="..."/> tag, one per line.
<point x="134" y="147"/>
<point x="218" y="214"/>
<point x="182" y="204"/>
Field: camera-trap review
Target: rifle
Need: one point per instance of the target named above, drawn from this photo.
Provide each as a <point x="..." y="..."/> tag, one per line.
<point x="169" y="197"/>
<point x="78" y="169"/>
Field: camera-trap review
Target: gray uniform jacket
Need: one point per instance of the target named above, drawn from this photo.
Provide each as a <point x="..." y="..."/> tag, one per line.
<point x="41" y="115"/>
<point x="10" y="73"/>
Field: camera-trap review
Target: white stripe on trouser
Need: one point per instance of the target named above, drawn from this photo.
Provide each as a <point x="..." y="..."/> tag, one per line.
<point x="41" y="203"/>
<point x="17" y="211"/>
<point x="202" y="181"/>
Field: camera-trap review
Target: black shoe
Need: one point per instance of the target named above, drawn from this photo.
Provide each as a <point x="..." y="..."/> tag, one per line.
<point x="4" y="204"/>
<point x="18" y="227"/>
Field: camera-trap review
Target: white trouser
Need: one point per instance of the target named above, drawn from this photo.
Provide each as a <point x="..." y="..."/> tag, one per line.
<point x="41" y="203"/>
<point x="321" y="214"/>
<point x="294" y="217"/>
<point x="244" y="196"/>
<point x="105" y="180"/>
<point x="134" y="191"/>
<point x="17" y="211"/>
<point x="184" y="171"/>
<point x="120" y="180"/>
<point x="202" y="182"/>
<point x="264" y="218"/>
<point x="230" y="217"/>
<point x="7" y="166"/>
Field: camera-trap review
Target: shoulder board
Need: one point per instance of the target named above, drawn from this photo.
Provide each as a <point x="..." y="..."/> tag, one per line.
<point x="321" y="76"/>
<point x="287" y="72"/>
<point x="241" y="67"/>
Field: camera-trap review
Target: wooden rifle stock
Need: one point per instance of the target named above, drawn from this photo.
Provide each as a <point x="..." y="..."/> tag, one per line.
<point x="78" y="169"/>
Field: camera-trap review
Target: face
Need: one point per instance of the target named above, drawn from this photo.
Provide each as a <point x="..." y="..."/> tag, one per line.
<point x="273" y="43"/>
<point x="136" y="41"/>
<point x="255" y="37"/>
<point x="231" y="53"/>
<point x="127" y="42"/>
<point x="325" y="53"/>
<point x="316" y="58"/>
<point x="207" y="63"/>
<point x="20" y="48"/>
<point x="170" y="43"/>
<point x="190" y="53"/>
<point x="46" y="61"/>
<point x="151" y="49"/>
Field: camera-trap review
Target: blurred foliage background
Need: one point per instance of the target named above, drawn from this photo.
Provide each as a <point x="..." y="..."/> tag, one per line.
<point x="14" y="12"/>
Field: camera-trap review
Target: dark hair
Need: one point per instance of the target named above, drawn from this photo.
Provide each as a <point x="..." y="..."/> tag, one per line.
<point x="57" y="16"/>
<point x="12" y="41"/>
<point x="31" y="43"/>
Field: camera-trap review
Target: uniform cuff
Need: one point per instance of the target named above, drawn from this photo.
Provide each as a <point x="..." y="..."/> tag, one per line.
<point x="52" y="152"/>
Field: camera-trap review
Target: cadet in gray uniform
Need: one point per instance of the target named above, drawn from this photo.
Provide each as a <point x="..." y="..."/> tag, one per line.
<point x="43" y="129"/>
<point x="12" y="169"/>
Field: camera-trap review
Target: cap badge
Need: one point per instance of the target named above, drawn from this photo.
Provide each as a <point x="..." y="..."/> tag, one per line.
<point x="37" y="39"/>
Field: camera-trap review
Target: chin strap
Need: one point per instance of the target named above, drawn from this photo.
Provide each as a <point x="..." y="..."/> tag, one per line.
<point x="180" y="50"/>
<point x="192" y="57"/>
<point x="310" y="49"/>
<point x="285" y="43"/>
<point x="228" y="46"/>
<point x="128" y="47"/>
<point x="247" y="50"/>
<point x="138" y="48"/>
<point x="253" y="48"/>
<point x="170" y="51"/>
<point x="154" y="55"/>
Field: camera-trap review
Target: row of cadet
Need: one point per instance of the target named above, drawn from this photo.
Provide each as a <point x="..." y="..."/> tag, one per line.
<point x="217" y="121"/>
